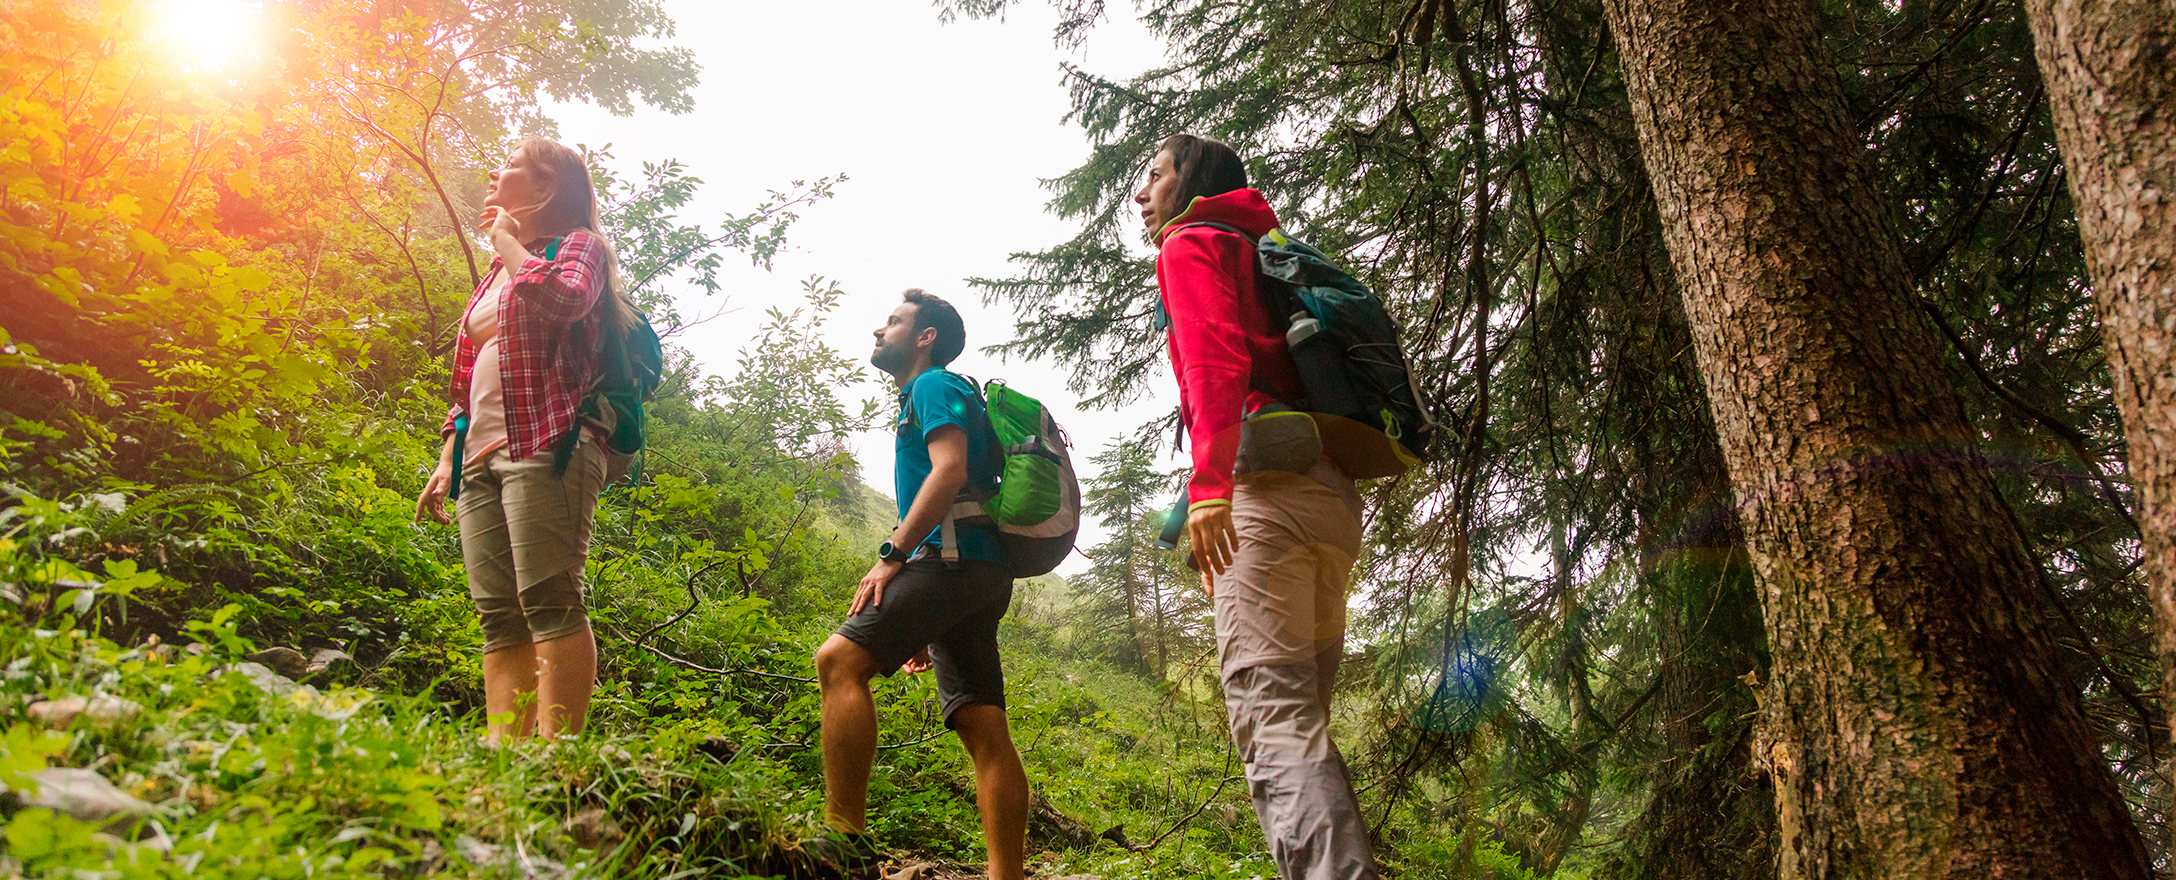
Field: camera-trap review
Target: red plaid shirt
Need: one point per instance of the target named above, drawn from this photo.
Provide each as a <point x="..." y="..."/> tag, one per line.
<point x="548" y="324"/>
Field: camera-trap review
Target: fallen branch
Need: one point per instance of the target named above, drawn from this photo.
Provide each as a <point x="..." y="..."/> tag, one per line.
<point x="713" y="670"/>
<point x="802" y="745"/>
<point x="1144" y="847"/>
<point x="939" y="732"/>
<point x="694" y="599"/>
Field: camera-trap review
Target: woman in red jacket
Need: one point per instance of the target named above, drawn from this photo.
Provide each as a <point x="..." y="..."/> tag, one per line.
<point x="1275" y="525"/>
<point x="530" y="464"/>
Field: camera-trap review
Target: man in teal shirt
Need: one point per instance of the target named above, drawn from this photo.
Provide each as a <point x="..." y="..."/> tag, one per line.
<point x="933" y="599"/>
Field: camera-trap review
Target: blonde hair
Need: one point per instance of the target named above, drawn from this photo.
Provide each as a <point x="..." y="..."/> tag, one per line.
<point x="571" y="204"/>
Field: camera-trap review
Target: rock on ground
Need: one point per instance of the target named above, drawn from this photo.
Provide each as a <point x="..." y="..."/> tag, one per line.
<point x="84" y="796"/>
<point x="285" y="661"/>
<point x="325" y="657"/>
<point x="100" y="711"/>
<point x="265" y="679"/>
<point x="593" y="829"/>
<point x="516" y="858"/>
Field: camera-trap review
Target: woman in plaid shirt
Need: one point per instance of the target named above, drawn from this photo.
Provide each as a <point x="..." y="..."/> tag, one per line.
<point x="530" y="463"/>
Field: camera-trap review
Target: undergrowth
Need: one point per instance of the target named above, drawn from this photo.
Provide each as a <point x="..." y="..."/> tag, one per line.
<point x="683" y="772"/>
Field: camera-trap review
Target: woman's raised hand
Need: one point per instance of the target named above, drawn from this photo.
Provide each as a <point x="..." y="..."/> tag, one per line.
<point x="497" y="221"/>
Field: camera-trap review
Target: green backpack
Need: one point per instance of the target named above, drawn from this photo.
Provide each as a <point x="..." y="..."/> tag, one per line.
<point x="1036" y="509"/>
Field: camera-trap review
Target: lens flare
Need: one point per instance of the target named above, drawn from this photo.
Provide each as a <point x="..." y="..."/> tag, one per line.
<point x="1473" y="686"/>
<point x="208" y="34"/>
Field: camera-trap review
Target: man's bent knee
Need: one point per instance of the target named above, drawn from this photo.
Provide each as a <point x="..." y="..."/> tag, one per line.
<point x="842" y="662"/>
<point x="981" y="726"/>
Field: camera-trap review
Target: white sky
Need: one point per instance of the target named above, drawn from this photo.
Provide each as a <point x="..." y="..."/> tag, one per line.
<point x="945" y="132"/>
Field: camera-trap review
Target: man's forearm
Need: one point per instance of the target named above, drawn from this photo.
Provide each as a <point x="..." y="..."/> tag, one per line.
<point x="929" y="507"/>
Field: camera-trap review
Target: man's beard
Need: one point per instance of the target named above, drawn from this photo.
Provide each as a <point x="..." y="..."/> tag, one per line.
<point x="890" y="358"/>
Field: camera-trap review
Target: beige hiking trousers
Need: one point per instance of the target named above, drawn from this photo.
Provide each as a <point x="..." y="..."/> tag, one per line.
<point x="1280" y="625"/>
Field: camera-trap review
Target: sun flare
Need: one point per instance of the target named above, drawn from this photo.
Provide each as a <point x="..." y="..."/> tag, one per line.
<point x="208" y="34"/>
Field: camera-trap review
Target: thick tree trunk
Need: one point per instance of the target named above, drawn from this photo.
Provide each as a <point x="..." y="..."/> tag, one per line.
<point x="2111" y="74"/>
<point x="1915" y="722"/>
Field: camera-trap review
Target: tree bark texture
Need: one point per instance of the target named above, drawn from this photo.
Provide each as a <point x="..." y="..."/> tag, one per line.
<point x="1915" y="722"/>
<point x="2111" y="77"/>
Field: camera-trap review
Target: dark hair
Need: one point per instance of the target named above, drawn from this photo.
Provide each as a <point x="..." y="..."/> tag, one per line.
<point x="931" y="310"/>
<point x="1204" y="167"/>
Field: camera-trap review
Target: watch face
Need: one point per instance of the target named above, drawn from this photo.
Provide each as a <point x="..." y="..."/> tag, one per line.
<point x="884" y="551"/>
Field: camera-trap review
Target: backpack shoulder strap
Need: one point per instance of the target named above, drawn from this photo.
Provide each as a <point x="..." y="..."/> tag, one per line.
<point x="968" y="504"/>
<point x="1212" y="224"/>
<point x="906" y="395"/>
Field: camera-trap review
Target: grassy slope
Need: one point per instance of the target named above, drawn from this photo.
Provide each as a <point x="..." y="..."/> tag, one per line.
<point x="687" y="771"/>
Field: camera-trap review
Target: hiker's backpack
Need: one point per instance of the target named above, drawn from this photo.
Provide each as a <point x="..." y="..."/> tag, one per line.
<point x="1036" y="509"/>
<point x="1373" y="421"/>
<point x="630" y="364"/>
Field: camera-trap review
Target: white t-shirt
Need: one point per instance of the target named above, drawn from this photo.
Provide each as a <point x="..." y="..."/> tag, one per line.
<point x="486" y="391"/>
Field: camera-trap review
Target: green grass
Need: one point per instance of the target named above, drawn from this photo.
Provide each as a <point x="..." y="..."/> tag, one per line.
<point x="381" y="771"/>
<point x="341" y="780"/>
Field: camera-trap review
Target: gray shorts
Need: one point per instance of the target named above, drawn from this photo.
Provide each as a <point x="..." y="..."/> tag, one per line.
<point x="952" y="609"/>
<point x="524" y="540"/>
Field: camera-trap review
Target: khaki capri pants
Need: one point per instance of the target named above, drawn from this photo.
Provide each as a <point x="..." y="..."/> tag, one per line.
<point x="525" y="539"/>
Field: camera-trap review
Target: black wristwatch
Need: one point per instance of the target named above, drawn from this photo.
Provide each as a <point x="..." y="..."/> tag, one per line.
<point x="890" y="553"/>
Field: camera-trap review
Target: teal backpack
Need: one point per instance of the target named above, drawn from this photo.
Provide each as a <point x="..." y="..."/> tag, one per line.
<point x="630" y="365"/>
<point x="1345" y="344"/>
<point x="1353" y="372"/>
<point x="1036" y="508"/>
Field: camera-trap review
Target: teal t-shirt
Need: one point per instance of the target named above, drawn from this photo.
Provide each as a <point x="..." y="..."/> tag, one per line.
<point x="933" y="399"/>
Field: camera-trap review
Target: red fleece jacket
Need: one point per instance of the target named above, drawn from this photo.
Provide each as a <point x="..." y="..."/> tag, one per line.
<point x="1227" y="346"/>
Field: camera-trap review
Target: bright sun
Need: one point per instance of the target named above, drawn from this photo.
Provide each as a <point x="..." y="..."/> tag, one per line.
<point x="208" y="34"/>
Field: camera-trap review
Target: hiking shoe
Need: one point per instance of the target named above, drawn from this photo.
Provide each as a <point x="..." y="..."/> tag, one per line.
<point x="844" y="855"/>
